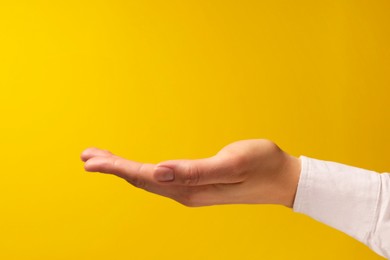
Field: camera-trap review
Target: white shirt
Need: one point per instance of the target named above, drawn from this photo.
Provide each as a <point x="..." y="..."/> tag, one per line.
<point x="352" y="200"/>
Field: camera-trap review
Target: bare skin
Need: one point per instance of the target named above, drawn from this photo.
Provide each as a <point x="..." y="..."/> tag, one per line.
<point x="254" y="171"/>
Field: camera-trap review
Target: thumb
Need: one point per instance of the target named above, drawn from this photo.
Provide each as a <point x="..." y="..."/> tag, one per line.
<point x="210" y="170"/>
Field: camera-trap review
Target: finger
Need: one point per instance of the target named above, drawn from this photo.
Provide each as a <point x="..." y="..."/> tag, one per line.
<point x="198" y="172"/>
<point x="138" y="174"/>
<point x="93" y="152"/>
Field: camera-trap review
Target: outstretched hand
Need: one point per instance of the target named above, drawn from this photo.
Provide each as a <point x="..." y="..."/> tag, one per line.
<point x="252" y="171"/>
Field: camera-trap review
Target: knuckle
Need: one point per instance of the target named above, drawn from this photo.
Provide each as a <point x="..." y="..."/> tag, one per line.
<point x="108" y="152"/>
<point x="114" y="162"/>
<point x="106" y="166"/>
<point x="192" y="175"/>
<point x="138" y="181"/>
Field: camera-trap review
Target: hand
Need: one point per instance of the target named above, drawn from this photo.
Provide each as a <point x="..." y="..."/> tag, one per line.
<point x="252" y="171"/>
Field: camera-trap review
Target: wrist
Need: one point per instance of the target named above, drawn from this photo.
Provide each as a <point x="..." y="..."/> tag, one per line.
<point x="290" y="174"/>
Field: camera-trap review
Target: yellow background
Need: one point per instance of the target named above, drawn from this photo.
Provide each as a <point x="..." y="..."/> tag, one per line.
<point x="158" y="80"/>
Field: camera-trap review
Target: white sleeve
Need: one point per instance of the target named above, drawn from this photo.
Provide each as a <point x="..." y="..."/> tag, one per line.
<point x="352" y="200"/>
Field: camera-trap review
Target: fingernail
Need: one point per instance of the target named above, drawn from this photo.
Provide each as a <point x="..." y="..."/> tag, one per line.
<point x="164" y="174"/>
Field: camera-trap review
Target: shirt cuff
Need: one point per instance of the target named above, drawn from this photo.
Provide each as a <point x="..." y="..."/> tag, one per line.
<point x="340" y="196"/>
